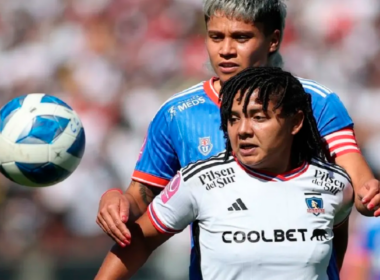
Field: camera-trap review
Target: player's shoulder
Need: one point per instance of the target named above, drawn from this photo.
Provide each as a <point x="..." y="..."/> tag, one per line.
<point x="219" y="163"/>
<point x="191" y="94"/>
<point x="328" y="169"/>
<point x="317" y="90"/>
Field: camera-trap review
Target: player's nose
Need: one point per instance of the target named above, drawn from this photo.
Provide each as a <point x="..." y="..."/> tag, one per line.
<point x="245" y="128"/>
<point x="227" y="48"/>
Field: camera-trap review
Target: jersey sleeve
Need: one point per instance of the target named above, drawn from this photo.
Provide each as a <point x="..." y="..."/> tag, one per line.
<point x="341" y="142"/>
<point x="346" y="206"/>
<point x="334" y="123"/>
<point x="174" y="209"/>
<point x="158" y="161"/>
<point x="331" y="115"/>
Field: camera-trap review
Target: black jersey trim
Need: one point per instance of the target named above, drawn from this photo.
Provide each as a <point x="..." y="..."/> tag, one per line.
<point x="207" y="166"/>
<point x="191" y="166"/>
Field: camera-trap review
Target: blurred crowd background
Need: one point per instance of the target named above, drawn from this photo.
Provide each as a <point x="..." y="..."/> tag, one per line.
<point x="115" y="62"/>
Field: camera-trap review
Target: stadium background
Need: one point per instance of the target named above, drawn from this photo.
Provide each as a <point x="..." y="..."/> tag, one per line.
<point x="115" y="62"/>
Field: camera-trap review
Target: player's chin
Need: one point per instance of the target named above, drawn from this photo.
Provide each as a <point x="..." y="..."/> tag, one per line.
<point x="250" y="160"/>
<point x="226" y="76"/>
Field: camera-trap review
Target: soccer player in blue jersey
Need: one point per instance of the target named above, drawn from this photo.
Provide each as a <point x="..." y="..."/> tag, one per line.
<point x="240" y="33"/>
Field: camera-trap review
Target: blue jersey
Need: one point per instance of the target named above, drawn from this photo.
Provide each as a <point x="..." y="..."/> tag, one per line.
<point x="187" y="129"/>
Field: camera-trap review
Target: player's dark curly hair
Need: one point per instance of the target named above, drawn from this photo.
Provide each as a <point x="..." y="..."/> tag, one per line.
<point x="287" y="93"/>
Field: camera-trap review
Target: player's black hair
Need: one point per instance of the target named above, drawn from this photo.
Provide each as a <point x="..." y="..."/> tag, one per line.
<point x="287" y="93"/>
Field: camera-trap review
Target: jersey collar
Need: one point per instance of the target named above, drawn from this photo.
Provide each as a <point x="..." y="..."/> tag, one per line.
<point x="268" y="176"/>
<point x="208" y="87"/>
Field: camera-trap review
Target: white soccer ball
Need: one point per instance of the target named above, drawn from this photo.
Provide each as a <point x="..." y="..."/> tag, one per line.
<point x="42" y="140"/>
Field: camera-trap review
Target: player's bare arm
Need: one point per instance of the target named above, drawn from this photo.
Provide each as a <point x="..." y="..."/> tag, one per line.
<point x="122" y="263"/>
<point x="117" y="211"/>
<point x="367" y="198"/>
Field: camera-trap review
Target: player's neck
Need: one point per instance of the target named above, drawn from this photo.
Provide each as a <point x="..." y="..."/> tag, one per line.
<point x="217" y="85"/>
<point x="277" y="169"/>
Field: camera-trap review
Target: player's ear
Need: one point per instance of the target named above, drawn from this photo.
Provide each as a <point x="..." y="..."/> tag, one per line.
<point x="297" y="122"/>
<point x="274" y="42"/>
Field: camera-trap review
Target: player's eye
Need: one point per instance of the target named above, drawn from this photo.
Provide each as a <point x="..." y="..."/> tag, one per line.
<point x="233" y="120"/>
<point x="216" y="37"/>
<point x="259" y="118"/>
<point x="242" y="39"/>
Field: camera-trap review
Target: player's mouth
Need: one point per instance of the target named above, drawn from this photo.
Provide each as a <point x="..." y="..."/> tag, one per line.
<point x="228" y="67"/>
<point x="247" y="149"/>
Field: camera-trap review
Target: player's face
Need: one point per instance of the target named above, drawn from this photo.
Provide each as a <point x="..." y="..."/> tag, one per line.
<point x="234" y="45"/>
<point x="262" y="140"/>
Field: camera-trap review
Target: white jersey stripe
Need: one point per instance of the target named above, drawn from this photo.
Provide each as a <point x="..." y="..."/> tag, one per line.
<point x="183" y="93"/>
<point x="345" y="148"/>
<point x="341" y="141"/>
<point x="315" y="90"/>
<point x="189" y="89"/>
<point x="315" y="84"/>
<point x="339" y="133"/>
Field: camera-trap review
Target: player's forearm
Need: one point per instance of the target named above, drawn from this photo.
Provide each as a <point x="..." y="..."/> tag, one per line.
<point x="139" y="196"/>
<point x="135" y="210"/>
<point x="360" y="173"/>
<point x="123" y="263"/>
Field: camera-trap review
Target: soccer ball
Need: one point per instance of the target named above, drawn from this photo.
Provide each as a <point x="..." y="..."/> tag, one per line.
<point x="42" y="140"/>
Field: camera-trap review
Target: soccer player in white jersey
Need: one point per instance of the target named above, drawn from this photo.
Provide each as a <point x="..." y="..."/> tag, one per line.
<point x="240" y="33"/>
<point x="262" y="209"/>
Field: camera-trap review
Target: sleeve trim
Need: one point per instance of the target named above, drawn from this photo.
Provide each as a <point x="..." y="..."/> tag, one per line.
<point x="149" y="179"/>
<point x="345" y="132"/>
<point x="341" y="142"/>
<point x="346" y="150"/>
<point x="158" y="224"/>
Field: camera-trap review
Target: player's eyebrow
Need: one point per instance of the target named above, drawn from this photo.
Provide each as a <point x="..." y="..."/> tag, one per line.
<point x="235" y="113"/>
<point x="247" y="33"/>
<point x="234" y="33"/>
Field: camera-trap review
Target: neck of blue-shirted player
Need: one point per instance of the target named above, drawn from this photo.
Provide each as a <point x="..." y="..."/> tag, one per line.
<point x="217" y="85"/>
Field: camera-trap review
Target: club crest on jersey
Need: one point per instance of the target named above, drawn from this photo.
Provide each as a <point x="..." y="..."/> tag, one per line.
<point x="315" y="205"/>
<point x="205" y="145"/>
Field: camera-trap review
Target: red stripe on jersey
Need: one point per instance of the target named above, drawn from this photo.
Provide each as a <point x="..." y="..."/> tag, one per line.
<point x="299" y="171"/>
<point x="347" y="151"/>
<point x="158" y="224"/>
<point x="209" y="89"/>
<point x="349" y="138"/>
<point x="264" y="175"/>
<point x="341" y="142"/>
<point x="146" y="178"/>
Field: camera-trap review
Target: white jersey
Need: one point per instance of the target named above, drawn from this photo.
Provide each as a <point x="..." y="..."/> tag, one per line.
<point x="251" y="225"/>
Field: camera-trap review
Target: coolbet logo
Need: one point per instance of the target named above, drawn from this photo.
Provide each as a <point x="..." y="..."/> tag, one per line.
<point x="205" y="145"/>
<point x="196" y="100"/>
<point x="323" y="179"/>
<point x="217" y="179"/>
<point x="277" y="235"/>
<point x="171" y="188"/>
